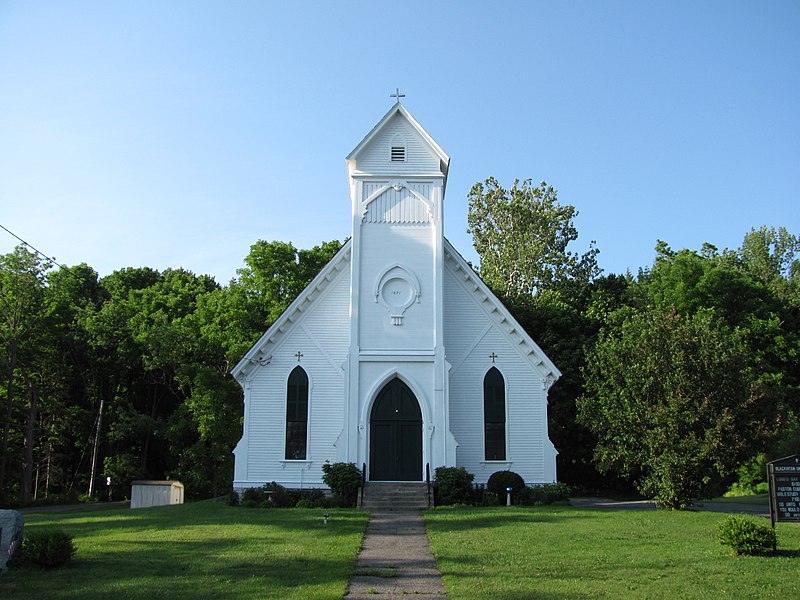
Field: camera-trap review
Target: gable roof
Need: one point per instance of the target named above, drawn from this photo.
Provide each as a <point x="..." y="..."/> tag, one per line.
<point x="255" y="356"/>
<point x="470" y="280"/>
<point x="398" y="108"/>
<point x="500" y="314"/>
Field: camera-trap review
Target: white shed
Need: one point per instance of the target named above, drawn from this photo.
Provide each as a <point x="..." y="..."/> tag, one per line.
<point x="156" y="493"/>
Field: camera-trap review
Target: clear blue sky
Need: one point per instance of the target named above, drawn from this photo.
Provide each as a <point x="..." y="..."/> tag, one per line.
<point x="176" y="134"/>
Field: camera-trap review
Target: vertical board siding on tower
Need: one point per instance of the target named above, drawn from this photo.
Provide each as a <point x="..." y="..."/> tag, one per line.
<point x="397" y="206"/>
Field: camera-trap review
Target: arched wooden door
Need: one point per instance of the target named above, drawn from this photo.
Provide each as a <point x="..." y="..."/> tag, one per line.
<point x="395" y="443"/>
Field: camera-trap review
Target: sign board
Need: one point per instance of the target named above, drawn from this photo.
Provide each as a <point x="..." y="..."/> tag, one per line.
<point x="784" y="489"/>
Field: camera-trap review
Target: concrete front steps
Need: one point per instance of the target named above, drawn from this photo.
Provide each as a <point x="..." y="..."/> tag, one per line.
<point x="382" y="496"/>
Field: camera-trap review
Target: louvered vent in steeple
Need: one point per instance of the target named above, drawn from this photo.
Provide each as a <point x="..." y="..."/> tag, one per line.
<point x="398" y="149"/>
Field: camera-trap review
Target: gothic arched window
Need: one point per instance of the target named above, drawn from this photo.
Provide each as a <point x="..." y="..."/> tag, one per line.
<point x="494" y="415"/>
<point x="297" y="415"/>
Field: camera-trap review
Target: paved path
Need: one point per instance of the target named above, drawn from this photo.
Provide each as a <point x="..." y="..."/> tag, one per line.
<point x="723" y="507"/>
<point x="396" y="559"/>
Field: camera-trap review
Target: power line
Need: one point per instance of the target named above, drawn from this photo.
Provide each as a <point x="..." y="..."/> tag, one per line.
<point x="34" y="248"/>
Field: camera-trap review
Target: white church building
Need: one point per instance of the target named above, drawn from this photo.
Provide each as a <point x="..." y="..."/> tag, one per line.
<point x="397" y="355"/>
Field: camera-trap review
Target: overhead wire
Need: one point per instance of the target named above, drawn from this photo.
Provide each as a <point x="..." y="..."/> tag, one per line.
<point x="52" y="259"/>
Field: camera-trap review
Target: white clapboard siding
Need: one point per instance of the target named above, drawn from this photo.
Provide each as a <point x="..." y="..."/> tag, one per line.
<point x="321" y="334"/>
<point x="471" y="337"/>
<point x="376" y="157"/>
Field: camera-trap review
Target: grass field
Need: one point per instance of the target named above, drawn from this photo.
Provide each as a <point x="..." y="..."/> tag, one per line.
<point x="568" y="553"/>
<point x="200" y="550"/>
<point x="209" y="550"/>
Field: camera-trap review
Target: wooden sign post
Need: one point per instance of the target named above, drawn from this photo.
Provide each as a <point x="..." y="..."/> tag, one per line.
<point x="784" y="489"/>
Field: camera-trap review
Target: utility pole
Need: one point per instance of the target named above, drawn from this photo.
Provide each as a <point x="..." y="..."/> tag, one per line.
<point x="96" y="444"/>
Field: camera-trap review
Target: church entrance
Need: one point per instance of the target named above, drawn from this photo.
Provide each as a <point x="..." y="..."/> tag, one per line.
<point x="395" y="444"/>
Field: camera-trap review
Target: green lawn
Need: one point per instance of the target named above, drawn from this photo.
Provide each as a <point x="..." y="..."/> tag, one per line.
<point x="199" y="550"/>
<point x="209" y="550"/>
<point x="569" y="553"/>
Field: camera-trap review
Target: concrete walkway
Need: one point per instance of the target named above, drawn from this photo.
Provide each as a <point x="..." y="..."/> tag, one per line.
<point x="396" y="559"/>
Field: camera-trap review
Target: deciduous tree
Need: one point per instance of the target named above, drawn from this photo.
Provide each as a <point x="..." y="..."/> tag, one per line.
<point x="673" y="405"/>
<point x="522" y="236"/>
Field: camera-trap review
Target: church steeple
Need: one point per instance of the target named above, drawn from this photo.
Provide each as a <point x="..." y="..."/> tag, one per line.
<point x="397" y="176"/>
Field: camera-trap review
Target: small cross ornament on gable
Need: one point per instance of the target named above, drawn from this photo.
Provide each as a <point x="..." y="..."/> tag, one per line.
<point x="493" y="356"/>
<point x="299" y="355"/>
<point x="397" y="94"/>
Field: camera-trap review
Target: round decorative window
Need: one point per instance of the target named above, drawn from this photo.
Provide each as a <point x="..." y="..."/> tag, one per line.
<point x="397" y="293"/>
<point x="397" y="289"/>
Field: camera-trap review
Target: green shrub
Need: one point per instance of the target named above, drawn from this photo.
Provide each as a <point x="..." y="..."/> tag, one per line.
<point x="738" y="490"/>
<point x="746" y="536"/>
<point x="47" y="549"/>
<point x="344" y="479"/>
<point x="545" y="494"/>
<point x="452" y="485"/>
<point x="269" y="495"/>
<point x="280" y="497"/>
<point x="255" y="497"/>
<point x="499" y="481"/>
<point x="752" y="478"/>
<point x="312" y="498"/>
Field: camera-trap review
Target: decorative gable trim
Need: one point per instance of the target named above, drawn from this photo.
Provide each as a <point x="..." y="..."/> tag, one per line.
<point x="256" y="357"/>
<point x="444" y="159"/>
<point x="500" y="315"/>
<point x="397" y="202"/>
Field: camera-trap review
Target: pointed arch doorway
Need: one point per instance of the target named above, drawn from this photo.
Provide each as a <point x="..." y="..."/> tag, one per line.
<point x="395" y="443"/>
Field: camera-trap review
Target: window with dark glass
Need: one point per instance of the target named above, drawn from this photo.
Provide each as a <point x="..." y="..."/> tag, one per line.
<point x="296" y="414"/>
<point x="494" y="415"/>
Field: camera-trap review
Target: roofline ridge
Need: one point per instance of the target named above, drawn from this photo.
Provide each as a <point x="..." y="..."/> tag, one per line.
<point x="321" y="280"/>
<point x="505" y="319"/>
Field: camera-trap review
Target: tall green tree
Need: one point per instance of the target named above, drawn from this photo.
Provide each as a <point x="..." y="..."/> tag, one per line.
<point x="565" y="323"/>
<point x="772" y="256"/>
<point x="275" y="273"/>
<point x="755" y="302"/>
<point x="22" y="328"/>
<point x="522" y="236"/>
<point x="673" y="406"/>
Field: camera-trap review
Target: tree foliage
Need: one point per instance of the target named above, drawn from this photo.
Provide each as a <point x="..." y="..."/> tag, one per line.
<point x="671" y="403"/>
<point x="522" y="236"/>
<point x="128" y="376"/>
<point x="731" y="317"/>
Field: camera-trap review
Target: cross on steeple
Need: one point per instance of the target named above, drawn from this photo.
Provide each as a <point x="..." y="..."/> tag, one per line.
<point x="397" y="94"/>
